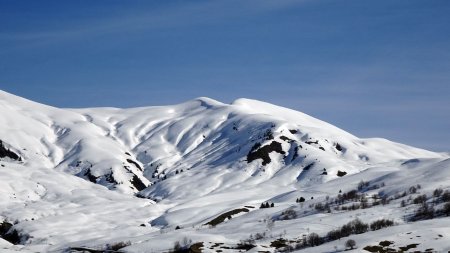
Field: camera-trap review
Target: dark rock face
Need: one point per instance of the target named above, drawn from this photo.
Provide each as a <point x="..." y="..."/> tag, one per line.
<point x="258" y="152"/>
<point x="137" y="183"/>
<point x="91" y="177"/>
<point x="341" y="173"/>
<point x="8" y="233"/>
<point x="4" y="152"/>
<point x="338" y="147"/>
<point x="135" y="164"/>
<point x="309" y="166"/>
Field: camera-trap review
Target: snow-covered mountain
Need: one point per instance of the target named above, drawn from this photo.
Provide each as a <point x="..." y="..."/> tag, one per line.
<point x="152" y="175"/>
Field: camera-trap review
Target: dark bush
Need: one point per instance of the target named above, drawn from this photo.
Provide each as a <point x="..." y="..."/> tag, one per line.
<point x="385" y="200"/>
<point x="446" y="209"/>
<point x="118" y="246"/>
<point x="289" y="214"/>
<point x="445" y="197"/>
<point x="314" y="240"/>
<point x="362" y="185"/>
<point x="412" y="189"/>
<point x="420" y="199"/>
<point x="437" y="192"/>
<point x="379" y="224"/>
<point x="359" y="227"/>
<point x="334" y="235"/>
<point x="423" y="212"/>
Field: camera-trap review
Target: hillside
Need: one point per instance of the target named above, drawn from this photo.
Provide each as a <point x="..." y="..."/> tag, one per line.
<point x="201" y="169"/>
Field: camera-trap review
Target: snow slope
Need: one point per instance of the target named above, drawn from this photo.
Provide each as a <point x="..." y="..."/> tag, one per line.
<point x="88" y="177"/>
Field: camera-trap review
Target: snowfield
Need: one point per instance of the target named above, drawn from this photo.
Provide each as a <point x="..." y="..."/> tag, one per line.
<point x="198" y="172"/>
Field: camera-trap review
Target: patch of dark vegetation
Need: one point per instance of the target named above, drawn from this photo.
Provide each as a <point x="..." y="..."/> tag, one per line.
<point x="221" y="218"/>
<point x="117" y="246"/>
<point x="338" y="147"/>
<point x="279" y="243"/>
<point x="135" y="164"/>
<point x="385" y="243"/>
<point x="379" y="224"/>
<point x="8" y="233"/>
<point x="341" y="173"/>
<point x="312" y="142"/>
<point x="383" y="247"/>
<point x="245" y="246"/>
<point x="5" y="152"/>
<point x="293" y="131"/>
<point x="409" y="246"/>
<point x="353" y="227"/>
<point x="321" y="148"/>
<point x="263" y="152"/>
<point x="288" y="214"/>
<point x="322" y="207"/>
<point x="374" y="248"/>
<point x="196" y="247"/>
<point x="137" y="183"/>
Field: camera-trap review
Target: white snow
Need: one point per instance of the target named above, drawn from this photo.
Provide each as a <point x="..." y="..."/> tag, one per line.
<point x="81" y="170"/>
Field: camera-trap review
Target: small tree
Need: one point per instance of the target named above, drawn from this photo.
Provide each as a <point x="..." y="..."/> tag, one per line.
<point x="176" y="246"/>
<point x="350" y="243"/>
<point x="437" y="192"/>
<point x="314" y="240"/>
<point x="445" y="196"/>
<point x="447" y="209"/>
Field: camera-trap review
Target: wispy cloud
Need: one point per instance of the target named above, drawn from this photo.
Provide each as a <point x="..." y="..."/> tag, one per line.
<point x="148" y="19"/>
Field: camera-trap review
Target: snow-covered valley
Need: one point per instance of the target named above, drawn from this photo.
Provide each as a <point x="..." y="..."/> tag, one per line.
<point x="211" y="177"/>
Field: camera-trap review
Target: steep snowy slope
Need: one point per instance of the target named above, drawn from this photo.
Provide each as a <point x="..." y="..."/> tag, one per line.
<point x="127" y="148"/>
<point x="188" y="163"/>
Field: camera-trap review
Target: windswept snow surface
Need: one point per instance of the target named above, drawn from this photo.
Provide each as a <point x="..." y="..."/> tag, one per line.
<point x="98" y="176"/>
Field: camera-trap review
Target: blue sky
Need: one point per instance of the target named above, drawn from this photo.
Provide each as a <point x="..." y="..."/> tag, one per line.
<point x="374" y="68"/>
